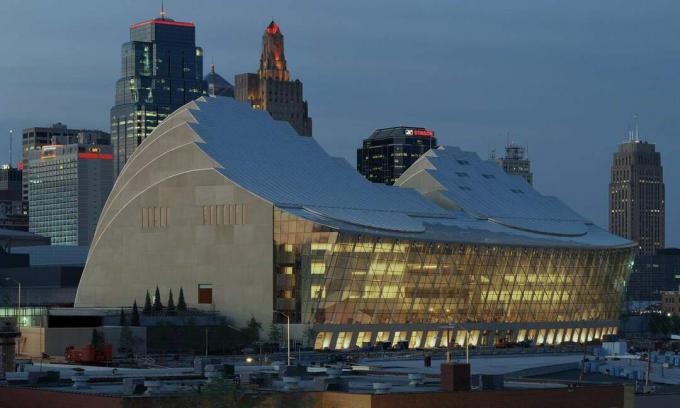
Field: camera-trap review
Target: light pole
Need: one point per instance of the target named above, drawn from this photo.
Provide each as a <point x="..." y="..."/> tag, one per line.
<point x="287" y="334"/>
<point x="8" y="279"/>
<point x="449" y="330"/>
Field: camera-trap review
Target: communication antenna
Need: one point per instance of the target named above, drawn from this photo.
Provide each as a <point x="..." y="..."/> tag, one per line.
<point x="11" y="158"/>
<point x="637" y="130"/>
<point x="162" y="9"/>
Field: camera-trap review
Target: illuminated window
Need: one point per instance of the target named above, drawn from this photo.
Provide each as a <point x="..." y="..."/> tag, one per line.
<point x="317" y="292"/>
<point x="431" y="340"/>
<point x="318" y="268"/>
<point x="343" y="341"/>
<point x="363" y="338"/>
<point x="323" y="340"/>
<point x="382" y="336"/>
<point x="416" y="338"/>
<point x="399" y="336"/>
<point x="321" y="247"/>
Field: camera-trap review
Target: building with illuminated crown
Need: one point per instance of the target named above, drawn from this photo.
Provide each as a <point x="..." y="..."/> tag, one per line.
<point x="161" y="70"/>
<point x="218" y="202"/>
<point x="271" y="89"/>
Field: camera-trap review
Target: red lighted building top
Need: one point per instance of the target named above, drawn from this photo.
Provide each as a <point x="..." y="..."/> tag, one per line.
<point x="163" y="21"/>
<point x="273" y="28"/>
<point x="102" y="156"/>
<point x="419" y="132"/>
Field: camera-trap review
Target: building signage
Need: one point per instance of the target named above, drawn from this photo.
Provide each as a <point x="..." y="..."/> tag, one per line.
<point x="418" y="132"/>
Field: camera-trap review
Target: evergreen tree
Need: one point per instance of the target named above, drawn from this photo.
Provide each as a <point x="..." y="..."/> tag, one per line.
<point x="157" y="305"/>
<point x="97" y="340"/>
<point x="122" y="321"/>
<point x="171" y="304"/>
<point x="134" y="319"/>
<point x="274" y="334"/>
<point x="181" y="304"/>
<point x="252" y="330"/>
<point x="147" y="304"/>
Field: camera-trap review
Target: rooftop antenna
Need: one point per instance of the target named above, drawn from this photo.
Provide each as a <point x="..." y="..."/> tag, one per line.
<point x="637" y="130"/>
<point x="11" y="136"/>
<point x="162" y="9"/>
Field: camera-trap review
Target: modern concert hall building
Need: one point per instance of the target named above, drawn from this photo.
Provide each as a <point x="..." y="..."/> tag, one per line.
<point x="252" y="220"/>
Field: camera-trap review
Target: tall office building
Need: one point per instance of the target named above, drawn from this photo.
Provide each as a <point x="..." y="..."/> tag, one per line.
<point x="68" y="188"/>
<point x="636" y="195"/>
<point x="11" y="203"/>
<point x="33" y="139"/>
<point x="653" y="274"/>
<point x="271" y="89"/>
<point x="161" y="70"/>
<point x="389" y="152"/>
<point x="515" y="162"/>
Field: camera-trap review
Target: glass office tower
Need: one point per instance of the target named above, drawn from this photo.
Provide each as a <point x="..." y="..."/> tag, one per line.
<point x="388" y="152"/>
<point x="161" y="70"/>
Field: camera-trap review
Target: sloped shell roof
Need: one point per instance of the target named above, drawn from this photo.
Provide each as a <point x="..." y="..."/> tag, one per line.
<point x="294" y="173"/>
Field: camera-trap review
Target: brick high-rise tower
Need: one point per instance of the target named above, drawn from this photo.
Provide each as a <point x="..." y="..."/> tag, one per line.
<point x="636" y="195"/>
<point x="271" y="89"/>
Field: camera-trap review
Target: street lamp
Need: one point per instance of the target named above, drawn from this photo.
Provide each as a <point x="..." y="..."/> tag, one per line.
<point x="288" y="330"/>
<point x="8" y="279"/>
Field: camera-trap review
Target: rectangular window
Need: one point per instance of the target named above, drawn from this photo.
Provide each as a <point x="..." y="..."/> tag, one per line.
<point x="363" y="337"/>
<point x="205" y="294"/>
<point x="318" y="268"/>
<point x="431" y="340"/>
<point x="343" y="341"/>
<point x="317" y="292"/>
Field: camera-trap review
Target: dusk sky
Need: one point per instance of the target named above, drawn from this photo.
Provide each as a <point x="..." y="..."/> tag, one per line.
<point x="563" y="78"/>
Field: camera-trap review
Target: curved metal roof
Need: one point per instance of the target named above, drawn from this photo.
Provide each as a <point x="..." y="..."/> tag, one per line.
<point x="294" y="173"/>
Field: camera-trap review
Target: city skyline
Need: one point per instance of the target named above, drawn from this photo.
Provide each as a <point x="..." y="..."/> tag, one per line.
<point x="559" y="78"/>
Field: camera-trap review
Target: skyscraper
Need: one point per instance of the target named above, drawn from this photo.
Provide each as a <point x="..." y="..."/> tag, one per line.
<point x="161" y="70"/>
<point x="11" y="204"/>
<point x="637" y="196"/>
<point x="271" y="89"/>
<point x="389" y="152"/>
<point x="515" y="162"/>
<point x="69" y="185"/>
<point x="33" y="139"/>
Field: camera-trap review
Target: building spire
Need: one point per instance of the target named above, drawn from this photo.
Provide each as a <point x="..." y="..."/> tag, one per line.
<point x="162" y="9"/>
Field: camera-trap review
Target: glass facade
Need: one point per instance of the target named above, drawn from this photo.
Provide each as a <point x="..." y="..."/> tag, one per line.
<point x="53" y="198"/>
<point x="387" y="153"/>
<point x="68" y="187"/>
<point x="161" y="70"/>
<point x="325" y="277"/>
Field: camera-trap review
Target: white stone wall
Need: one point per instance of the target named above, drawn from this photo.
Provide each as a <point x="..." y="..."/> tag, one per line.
<point x="153" y="232"/>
